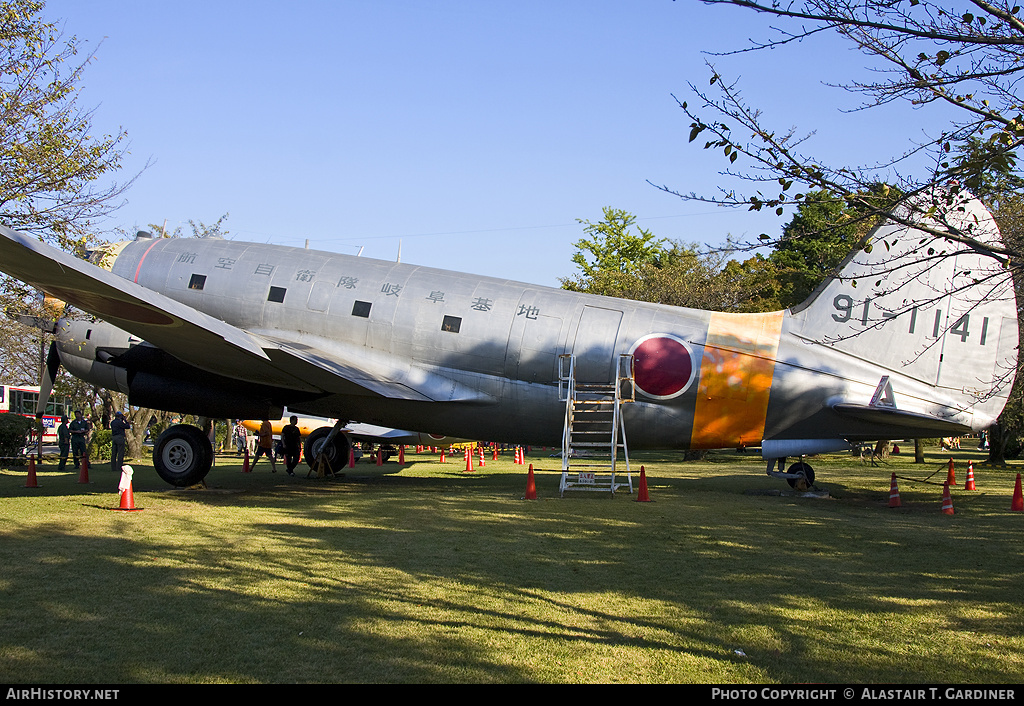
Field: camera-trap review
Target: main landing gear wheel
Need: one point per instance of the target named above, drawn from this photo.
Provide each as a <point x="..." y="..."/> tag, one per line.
<point x="182" y="455"/>
<point x="336" y="454"/>
<point x="806" y="473"/>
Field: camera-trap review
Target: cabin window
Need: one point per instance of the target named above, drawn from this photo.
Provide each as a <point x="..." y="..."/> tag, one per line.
<point x="276" y="294"/>
<point x="452" y="324"/>
<point x="361" y="309"/>
<point x="197" y="282"/>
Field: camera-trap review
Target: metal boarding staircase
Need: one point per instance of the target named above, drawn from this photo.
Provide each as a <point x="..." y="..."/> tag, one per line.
<point x="594" y="431"/>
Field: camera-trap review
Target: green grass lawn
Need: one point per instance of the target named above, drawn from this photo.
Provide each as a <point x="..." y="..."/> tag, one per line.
<point x="437" y="575"/>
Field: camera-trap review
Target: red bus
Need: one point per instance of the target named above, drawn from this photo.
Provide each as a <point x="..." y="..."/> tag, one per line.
<point x="22" y="399"/>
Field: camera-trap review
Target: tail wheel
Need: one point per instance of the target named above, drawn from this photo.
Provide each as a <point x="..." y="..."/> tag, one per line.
<point x="807" y="476"/>
<point x="336" y="454"/>
<point x="182" y="455"/>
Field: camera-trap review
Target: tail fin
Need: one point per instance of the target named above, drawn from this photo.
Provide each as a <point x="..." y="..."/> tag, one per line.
<point x="936" y="310"/>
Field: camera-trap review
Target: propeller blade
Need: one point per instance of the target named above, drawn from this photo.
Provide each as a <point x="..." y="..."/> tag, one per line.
<point x="50" y="371"/>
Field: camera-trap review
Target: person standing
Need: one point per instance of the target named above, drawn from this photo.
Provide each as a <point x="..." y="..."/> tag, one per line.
<point x="241" y="438"/>
<point x="79" y="429"/>
<point x="265" y="446"/>
<point x="63" y="441"/>
<point x="291" y="438"/>
<point x="117" y="441"/>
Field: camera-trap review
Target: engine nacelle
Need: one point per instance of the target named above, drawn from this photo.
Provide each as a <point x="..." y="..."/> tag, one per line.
<point x="104" y="355"/>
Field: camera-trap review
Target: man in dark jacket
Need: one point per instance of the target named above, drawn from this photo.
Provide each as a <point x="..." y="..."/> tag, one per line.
<point x="292" y="440"/>
<point x="117" y="441"/>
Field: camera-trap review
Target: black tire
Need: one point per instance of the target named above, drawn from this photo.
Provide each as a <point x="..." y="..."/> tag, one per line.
<point x="182" y="455"/>
<point x="808" y="476"/>
<point x="336" y="455"/>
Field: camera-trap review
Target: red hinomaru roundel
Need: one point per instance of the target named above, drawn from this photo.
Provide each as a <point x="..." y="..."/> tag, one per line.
<point x="662" y="365"/>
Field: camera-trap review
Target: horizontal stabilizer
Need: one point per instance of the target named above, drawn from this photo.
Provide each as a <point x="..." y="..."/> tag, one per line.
<point x="913" y="424"/>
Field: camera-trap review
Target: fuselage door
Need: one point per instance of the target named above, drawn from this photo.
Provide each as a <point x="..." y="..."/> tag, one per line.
<point x="594" y="344"/>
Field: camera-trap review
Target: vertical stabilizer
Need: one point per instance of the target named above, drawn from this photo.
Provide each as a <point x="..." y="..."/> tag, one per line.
<point x="926" y="307"/>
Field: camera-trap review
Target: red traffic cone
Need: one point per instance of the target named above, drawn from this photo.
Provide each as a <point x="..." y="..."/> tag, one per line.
<point x="401" y="455"/>
<point x="642" y="496"/>
<point x="894" y="493"/>
<point x="246" y="468"/>
<point x="1018" y="499"/>
<point x="83" y="473"/>
<point x="31" y="482"/>
<point x="481" y="464"/>
<point x="380" y="456"/>
<point x="969" y="484"/>
<point x="125" y="489"/>
<point x="494" y="455"/>
<point x="947" y="501"/>
<point x="351" y="457"/>
<point x="469" y="461"/>
<point x="950" y="475"/>
<point x="127" y="501"/>
<point x="531" y="486"/>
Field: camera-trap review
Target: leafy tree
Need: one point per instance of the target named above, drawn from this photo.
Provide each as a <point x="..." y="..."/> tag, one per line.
<point x="1005" y="435"/>
<point x="814" y="243"/>
<point x="53" y="169"/>
<point x="14" y="430"/>
<point x="611" y="248"/>
<point x="199" y="229"/>
<point x="642" y="268"/>
<point x="51" y="165"/>
<point x="966" y="57"/>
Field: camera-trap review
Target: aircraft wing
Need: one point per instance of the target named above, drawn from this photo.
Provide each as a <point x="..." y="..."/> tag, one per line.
<point x="207" y="342"/>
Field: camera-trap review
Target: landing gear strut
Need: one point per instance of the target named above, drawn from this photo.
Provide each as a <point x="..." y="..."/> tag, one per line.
<point x="800" y="475"/>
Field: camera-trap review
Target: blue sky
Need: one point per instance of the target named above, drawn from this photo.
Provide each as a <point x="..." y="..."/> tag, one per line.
<point x="475" y="133"/>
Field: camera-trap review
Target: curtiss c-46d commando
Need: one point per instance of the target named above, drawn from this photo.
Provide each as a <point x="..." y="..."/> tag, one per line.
<point x="914" y="336"/>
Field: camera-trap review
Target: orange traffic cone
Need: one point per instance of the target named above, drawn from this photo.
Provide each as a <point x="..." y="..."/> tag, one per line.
<point x="1018" y="499"/>
<point x="969" y="484"/>
<point x="494" y="455"/>
<point x="481" y="464"/>
<point x="30" y="482"/>
<point x="380" y="456"/>
<point x="894" y="493"/>
<point x="950" y="475"/>
<point x="83" y="473"/>
<point x="127" y="501"/>
<point x="441" y="460"/>
<point x="125" y="489"/>
<point x="531" y="486"/>
<point x="246" y="468"/>
<point x="947" y="501"/>
<point x="469" y="461"/>
<point x="642" y="496"/>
